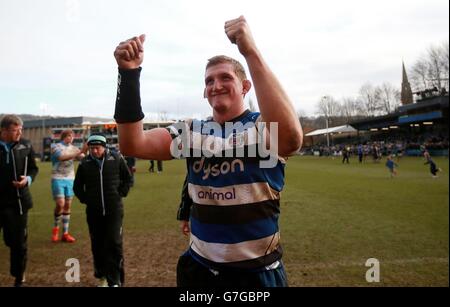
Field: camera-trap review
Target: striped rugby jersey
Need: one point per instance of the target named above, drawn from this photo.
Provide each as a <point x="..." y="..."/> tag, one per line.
<point x="236" y="203"/>
<point x="62" y="169"/>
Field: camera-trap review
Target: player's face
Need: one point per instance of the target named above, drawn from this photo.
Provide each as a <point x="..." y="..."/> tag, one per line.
<point x="97" y="151"/>
<point x="223" y="88"/>
<point x="68" y="139"/>
<point x="12" y="134"/>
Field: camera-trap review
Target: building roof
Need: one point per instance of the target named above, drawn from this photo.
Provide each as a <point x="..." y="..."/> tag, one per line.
<point x="63" y="121"/>
<point x="437" y="101"/>
<point x="376" y="121"/>
<point x="338" y="129"/>
<point x="432" y="108"/>
<point x="84" y="121"/>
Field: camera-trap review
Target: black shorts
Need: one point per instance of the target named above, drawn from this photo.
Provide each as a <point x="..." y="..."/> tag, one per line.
<point x="190" y="273"/>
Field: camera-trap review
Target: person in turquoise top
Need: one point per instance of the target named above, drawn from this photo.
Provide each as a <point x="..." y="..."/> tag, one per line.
<point x="63" y="175"/>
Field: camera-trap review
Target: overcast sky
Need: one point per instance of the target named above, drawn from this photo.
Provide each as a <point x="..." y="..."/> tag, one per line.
<point x="57" y="55"/>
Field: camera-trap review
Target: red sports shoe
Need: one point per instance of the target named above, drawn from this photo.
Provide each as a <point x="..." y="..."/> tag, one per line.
<point x="55" y="233"/>
<point x="67" y="238"/>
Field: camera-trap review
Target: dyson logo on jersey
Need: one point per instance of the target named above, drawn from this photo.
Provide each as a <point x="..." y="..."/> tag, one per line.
<point x="217" y="169"/>
<point x="231" y="140"/>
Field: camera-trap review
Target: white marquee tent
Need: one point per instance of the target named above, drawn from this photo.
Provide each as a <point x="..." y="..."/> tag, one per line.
<point x="332" y="130"/>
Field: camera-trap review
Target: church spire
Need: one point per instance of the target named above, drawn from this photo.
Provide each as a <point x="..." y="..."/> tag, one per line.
<point x="406" y="94"/>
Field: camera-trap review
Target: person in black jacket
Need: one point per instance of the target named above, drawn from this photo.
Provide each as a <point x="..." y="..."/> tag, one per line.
<point x="184" y="210"/>
<point x="17" y="171"/>
<point x="102" y="179"/>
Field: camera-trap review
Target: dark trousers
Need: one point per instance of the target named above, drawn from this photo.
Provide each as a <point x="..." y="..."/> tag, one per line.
<point x="345" y="158"/>
<point x="132" y="177"/>
<point x="14" y="227"/>
<point x="433" y="168"/>
<point x="190" y="273"/>
<point x="152" y="166"/>
<point x="159" y="164"/>
<point x="106" y="244"/>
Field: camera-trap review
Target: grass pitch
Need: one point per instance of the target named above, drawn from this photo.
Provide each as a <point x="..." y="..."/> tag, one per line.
<point x="333" y="218"/>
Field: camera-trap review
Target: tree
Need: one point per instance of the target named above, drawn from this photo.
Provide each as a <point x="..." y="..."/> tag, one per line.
<point x="328" y="107"/>
<point x="419" y="74"/>
<point x="350" y="108"/>
<point x="301" y="114"/>
<point x="445" y="58"/>
<point x="388" y="97"/>
<point x="432" y="69"/>
<point x="435" y="68"/>
<point x="370" y="104"/>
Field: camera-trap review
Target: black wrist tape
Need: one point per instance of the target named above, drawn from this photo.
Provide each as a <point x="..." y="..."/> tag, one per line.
<point x="128" y="101"/>
<point x="183" y="213"/>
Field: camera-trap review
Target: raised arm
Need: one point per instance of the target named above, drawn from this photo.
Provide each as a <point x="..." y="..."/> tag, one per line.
<point x="133" y="141"/>
<point x="69" y="156"/>
<point x="274" y="104"/>
<point x="152" y="144"/>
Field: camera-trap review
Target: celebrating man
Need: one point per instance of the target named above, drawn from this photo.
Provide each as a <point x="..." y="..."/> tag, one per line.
<point x="235" y="238"/>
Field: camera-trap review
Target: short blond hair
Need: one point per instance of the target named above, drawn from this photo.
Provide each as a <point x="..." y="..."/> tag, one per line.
<point x="223" y="59"/>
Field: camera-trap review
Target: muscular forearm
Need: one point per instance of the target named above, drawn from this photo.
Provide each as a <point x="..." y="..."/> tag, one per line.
<point x="133" y="141"/>
<point x="273" y="101"/>
<point x="275" y="105"/>
<point x="130" y="136"/>
<point x="153" y="144"/>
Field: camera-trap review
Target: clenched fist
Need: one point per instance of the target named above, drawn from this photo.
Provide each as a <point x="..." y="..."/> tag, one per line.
<point x="130" y="53"/>
<point x="239" y="33"/>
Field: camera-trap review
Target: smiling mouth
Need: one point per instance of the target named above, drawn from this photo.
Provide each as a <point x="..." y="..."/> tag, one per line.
<point x="219" y="94"/>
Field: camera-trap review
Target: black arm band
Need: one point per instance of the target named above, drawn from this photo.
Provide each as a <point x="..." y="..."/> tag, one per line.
<point x="128" y="101"/>
<point x="184" y="211"/>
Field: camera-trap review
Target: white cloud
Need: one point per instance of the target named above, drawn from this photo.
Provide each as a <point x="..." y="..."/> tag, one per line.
<point x="60" y="52"/>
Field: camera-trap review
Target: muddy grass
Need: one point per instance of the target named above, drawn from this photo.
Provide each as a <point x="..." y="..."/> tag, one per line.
<point x="150" y="261"/>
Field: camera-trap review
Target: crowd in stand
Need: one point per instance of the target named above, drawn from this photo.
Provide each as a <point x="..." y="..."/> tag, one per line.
<point x="376" y="149"/>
